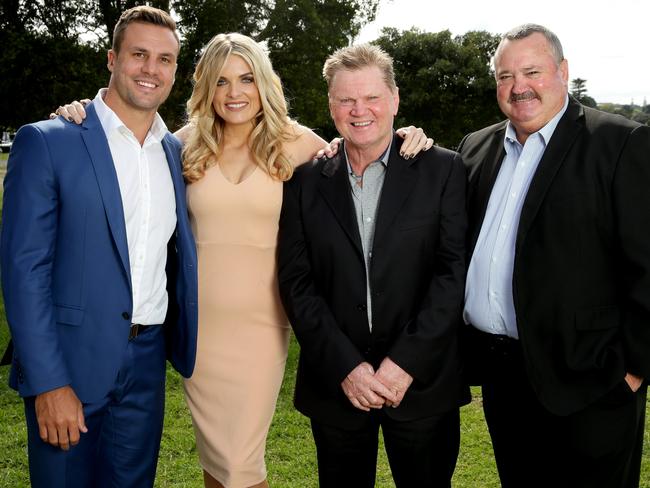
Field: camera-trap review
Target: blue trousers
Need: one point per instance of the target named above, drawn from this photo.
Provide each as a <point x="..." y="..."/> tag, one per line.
<point x="121" y="446"/>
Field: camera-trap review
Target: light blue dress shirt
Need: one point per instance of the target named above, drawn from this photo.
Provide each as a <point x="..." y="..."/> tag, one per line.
<point x="366" y="200"/>
<point x="489" y="304"/>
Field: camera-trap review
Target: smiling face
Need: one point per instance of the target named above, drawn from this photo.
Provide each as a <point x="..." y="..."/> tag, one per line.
<point x="236" y="98"/>
<point x="531" y="86"/>
<point x="142" y="72"/>
<point x="363" y="107"/>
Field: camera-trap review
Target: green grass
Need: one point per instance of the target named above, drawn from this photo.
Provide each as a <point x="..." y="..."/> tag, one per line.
<point x="291" y="458"/>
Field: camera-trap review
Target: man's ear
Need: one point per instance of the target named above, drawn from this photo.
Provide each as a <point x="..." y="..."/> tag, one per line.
<point x="564" y="70"/>
<point x="396" y="101"/>
<point x="110" y="59"/>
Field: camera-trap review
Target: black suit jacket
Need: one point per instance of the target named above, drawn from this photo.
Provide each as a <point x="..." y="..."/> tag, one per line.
<point x="581" y="280"/>
<point x="416" y="276"/>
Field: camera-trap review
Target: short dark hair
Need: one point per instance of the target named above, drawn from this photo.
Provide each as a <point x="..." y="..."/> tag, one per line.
<point x="145" y="15"/>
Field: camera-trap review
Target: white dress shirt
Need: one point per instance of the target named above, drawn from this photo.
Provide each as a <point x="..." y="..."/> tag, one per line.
<point x="149" y="209"/>
<point x="489" y="304"/>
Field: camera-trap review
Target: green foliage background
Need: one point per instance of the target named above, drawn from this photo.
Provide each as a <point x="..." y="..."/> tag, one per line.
<point x="55" y="51"/>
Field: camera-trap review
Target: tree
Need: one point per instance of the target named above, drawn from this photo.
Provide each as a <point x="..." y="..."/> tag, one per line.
<point x="300" y="35"/>
<point x="51" y="72"/>
<point x="44" y="38"/>
<point x="14" y="16"/>
<point x="578" y="88"/>
<point x="579" y="92"/>
<point x="104" y="14"/>
<point x="446" y="84"/>
<point x="42" y="62"/>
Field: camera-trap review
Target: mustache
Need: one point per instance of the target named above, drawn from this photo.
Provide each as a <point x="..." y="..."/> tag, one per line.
<point x="522" y="97"/>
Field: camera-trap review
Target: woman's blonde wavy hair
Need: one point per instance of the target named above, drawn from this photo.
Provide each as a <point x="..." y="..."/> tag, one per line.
<point x="271" y="125"/>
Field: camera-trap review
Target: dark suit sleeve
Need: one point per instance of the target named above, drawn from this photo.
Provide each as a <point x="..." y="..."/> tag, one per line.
<point x="29" y="229"/>
<point x="631" y="191"/>
<point x="425" y="341"/>
<point x="462" y="143"/>
<point x="322" y="342"/>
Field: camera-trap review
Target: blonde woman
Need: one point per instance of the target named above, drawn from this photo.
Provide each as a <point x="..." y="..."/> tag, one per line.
<point x="239" y="146"/>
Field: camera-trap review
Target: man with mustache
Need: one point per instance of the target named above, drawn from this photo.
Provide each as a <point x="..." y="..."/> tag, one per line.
<point x="557" y="300"/>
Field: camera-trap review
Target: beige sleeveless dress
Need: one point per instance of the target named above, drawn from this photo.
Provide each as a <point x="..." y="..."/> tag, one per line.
<point x="243" y="331"/>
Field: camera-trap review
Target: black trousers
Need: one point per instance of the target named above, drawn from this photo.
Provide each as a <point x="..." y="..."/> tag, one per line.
<point x="598" y="447"/>
<point x="421" y="452"/>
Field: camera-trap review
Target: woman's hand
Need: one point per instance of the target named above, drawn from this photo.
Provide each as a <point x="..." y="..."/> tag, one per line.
<point x="415" y="140"/>
<point x="72" y="112"/>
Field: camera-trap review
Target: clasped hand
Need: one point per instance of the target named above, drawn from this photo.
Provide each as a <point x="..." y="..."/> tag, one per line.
<point x="367" y="388"/>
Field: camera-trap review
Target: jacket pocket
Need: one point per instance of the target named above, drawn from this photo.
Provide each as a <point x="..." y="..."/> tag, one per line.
<point x="68" y="315"/>
<point x="601" y="318"/>
<point x="417" y="222"/>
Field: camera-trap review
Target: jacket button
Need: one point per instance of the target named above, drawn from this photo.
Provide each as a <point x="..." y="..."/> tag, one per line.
<point x="126" y="316"/>
<point x="361" y="308"/>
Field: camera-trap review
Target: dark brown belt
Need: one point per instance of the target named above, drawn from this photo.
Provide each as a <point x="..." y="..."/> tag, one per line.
<point x="496" y="344"/>
<point x="137" y="329"/>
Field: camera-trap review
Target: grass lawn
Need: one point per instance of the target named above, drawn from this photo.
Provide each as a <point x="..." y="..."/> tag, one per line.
<point x="291" y="458"/>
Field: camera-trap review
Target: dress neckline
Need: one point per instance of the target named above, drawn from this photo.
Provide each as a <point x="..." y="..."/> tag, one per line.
<point x="248" y="177"/>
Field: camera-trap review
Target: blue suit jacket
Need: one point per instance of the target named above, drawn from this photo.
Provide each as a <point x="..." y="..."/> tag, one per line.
<point x="65" y="265"/>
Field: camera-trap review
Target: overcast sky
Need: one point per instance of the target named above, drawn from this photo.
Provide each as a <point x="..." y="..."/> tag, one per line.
<point x="606" y="42"/>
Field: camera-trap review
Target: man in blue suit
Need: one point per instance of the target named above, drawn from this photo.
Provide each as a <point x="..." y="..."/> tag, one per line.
<point x="99" y="270"/>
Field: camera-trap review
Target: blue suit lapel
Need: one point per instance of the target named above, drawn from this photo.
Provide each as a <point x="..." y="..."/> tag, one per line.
<point x="100" y="156"/>
<point x="173" y="161"/>
<point x="184" y="232"/>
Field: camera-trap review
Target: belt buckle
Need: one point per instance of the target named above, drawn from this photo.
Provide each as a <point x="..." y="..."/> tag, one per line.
<point x="134" y="331"/>
<point x="502" y="345"/>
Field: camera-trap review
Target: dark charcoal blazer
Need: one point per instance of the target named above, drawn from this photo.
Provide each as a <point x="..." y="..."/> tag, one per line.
<point x="416" y="275"/>
<point x="581" y="280"/>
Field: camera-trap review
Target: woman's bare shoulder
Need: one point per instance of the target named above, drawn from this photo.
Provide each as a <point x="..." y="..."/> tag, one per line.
<point x="183" y="133"/>
<point x="303" y="145"/>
